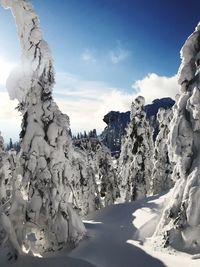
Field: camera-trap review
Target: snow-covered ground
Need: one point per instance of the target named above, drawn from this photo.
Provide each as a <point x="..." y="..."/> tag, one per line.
<point x="116" y="238"/>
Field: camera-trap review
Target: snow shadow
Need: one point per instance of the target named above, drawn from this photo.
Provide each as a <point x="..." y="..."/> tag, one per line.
<point x="62" y="261"/>
<point x="107" y="244"/>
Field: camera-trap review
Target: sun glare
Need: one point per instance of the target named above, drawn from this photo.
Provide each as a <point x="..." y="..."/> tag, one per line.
<point x="5" y="69"/>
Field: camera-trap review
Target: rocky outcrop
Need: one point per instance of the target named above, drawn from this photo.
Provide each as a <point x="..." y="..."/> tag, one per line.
<point x="117" y="122"/>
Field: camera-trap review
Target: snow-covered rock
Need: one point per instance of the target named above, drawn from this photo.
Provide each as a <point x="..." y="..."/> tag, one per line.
<point x="117" y="122"/>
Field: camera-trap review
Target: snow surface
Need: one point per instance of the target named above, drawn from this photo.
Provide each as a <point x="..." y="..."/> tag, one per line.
<point x="116" y="238"/>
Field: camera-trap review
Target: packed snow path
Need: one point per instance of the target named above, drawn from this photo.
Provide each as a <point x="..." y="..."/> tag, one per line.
<point x="108" y="231"/>
<point x="115" y="239"/>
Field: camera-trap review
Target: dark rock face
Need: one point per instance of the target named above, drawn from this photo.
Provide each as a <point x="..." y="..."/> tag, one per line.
<point x="117" y="122"/>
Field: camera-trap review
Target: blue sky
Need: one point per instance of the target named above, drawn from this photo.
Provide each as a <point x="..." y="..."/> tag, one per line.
<point x="105" y="51"/>
<point x="152" y="33"/>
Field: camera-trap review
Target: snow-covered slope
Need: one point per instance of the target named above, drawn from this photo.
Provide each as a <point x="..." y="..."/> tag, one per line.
<point x="117" y="234"/>
<point x="116" y="238"/>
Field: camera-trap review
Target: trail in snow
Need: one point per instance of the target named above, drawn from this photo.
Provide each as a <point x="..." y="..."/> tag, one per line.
<point x="116" y="238"/>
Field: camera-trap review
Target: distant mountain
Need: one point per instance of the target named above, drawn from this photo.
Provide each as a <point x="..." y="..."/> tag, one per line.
<point x="117" y="122"/>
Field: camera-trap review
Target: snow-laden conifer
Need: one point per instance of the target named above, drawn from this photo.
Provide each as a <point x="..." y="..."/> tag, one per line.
<point x="101" y="164"/>
<point x="43" y="209"/>
<point x="5" y="174"/>
<point x="163" y="168"/>
<point x="180" y="223"/>
<point x="135" y="162"/>
<point x="85" y="192"/>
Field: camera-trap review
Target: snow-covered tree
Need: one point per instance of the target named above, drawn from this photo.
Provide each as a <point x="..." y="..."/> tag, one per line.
<point x="7" y="199"/>
<point x="135" y="162"/>
<point x="5" y="174"/>
<point x="163" y="168"/>
<point x="2" y="148"/>
<point x="106" y="173"/>
<point x="86" y="196"/>
<point x="43" y="209"/>
<point x="180" y="224"/>
<point x="100" y="161"/>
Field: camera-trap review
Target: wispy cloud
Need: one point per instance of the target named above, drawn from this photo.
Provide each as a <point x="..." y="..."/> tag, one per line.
<point x="87" y="101"/>
<point x="88" y="56"/>
<point x="5" y="69"/>
<point x="119" y="54"/>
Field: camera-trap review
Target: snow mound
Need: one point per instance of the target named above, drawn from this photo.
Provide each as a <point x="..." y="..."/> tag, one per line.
<point x="117" y="234"/>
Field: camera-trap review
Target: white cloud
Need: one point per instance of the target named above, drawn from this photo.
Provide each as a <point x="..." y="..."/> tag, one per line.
<point x="118" y="55"/>
<point x="8" y="110"/>
<point x="88" y="56"/>
<point x="154" y="86"/>
<point x="10" y="119"/>
<point x="5" y="69"/>
<point x="86" y="101"/>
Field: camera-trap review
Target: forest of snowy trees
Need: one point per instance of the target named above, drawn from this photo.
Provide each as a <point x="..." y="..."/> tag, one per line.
<point x="50" y="181"/>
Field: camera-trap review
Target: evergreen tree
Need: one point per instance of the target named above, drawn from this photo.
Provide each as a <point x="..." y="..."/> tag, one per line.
<point x="100" y="161"/>
<point x="85" y="134"/>
<point x="5" y="174"/>
<point x="10" y="144"/>
<point x="163" y="168"/>
<point x="2" y="147"/>
<point x="40" y="204"/>
<point x="109" y="188"/>
<point x="135" y="162"/>
<point x="179" y="225"/>
<point x="86" y="196"/>
<point x="94" y="133"/>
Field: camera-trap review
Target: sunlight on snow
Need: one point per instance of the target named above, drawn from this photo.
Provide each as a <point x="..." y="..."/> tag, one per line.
<point x="91" y="222"/>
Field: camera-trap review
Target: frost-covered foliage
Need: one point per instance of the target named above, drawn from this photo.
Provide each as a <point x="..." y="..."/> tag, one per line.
<point x="2" y="147"/>
<point x="100" y="161"/>
<point x="109" y="188"/>
<point x="42" y="193"/>
<point x="163" y="168"/>
<point x="8" y="202"/>
<point x="84" y="187"/>
<point x="135" y="162"/>
<point x="180" y="223"/>
<point x="5" y="174"/>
